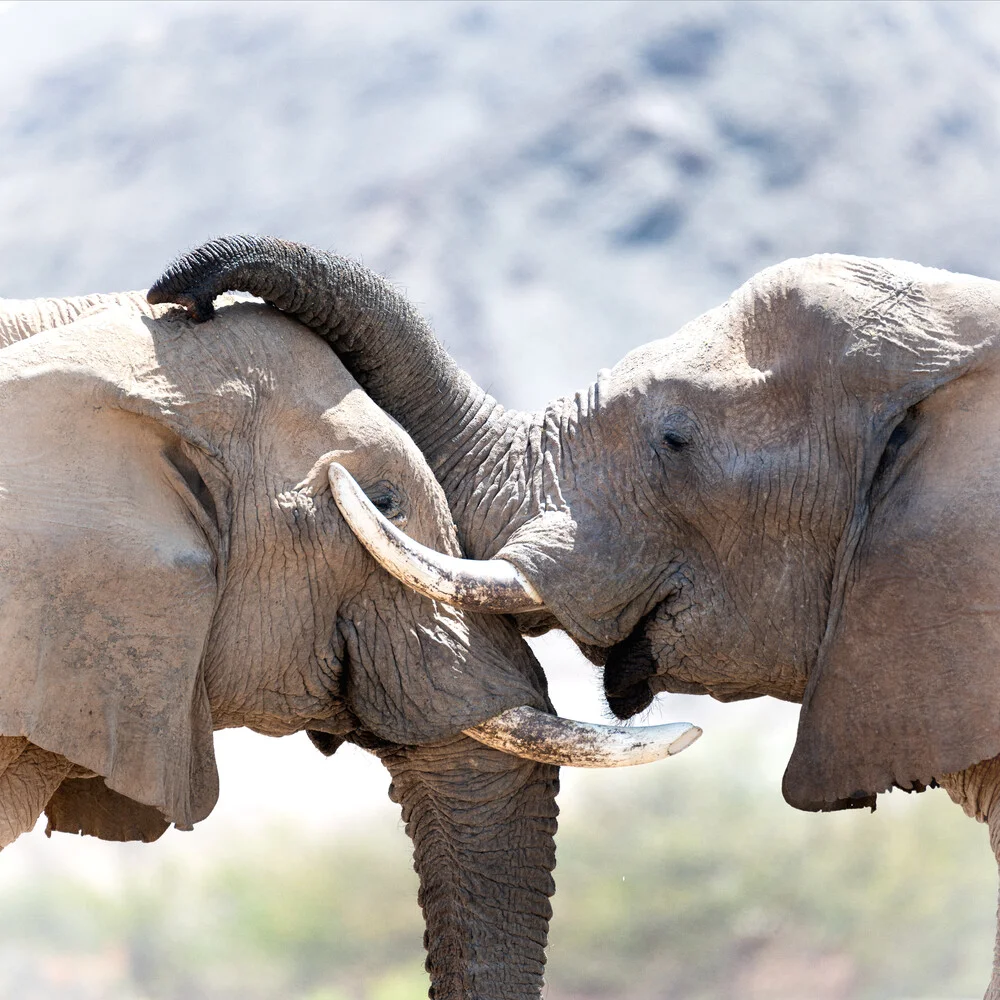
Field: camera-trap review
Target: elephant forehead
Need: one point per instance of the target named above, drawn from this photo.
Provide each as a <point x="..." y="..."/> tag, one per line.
<point x="374" y="446"/>
<point x="706" y="354"/>
<point x="363" y="436"/>
<point x="357" y="422"/>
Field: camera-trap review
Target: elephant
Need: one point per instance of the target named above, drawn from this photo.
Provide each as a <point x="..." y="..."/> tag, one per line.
<point x="175" y="558"/>
<point x="796" y="494"/>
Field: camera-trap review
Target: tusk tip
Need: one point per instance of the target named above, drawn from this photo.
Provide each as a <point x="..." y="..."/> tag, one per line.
<point x="690" y="734"/>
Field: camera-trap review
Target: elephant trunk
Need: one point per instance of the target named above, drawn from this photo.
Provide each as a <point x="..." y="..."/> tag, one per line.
<point x="483" y="825"/>
<point x="492" y="463"/>
<point x="380" y="337"/>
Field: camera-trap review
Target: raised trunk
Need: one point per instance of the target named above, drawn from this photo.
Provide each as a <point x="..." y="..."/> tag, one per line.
<point x="378" y="335"/>
<point x="391" y="351"/>
<point x="495" y="465"/>
<point x="483" y="826"/>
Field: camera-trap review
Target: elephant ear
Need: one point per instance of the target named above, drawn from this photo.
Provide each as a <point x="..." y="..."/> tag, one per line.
<point x="906" y="686"/>
<point x="87" y="805"/>
<point x="107" y="581"/>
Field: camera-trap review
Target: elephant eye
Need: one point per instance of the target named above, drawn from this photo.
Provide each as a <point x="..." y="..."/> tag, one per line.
<point x="677" y="431"/>
<point x="675" y="441"/>
<point x="389" y="502"/>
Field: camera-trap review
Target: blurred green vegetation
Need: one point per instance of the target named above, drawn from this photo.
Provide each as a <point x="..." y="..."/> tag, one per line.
<point x="713" y="887"/>
<point x="686" y="883"/>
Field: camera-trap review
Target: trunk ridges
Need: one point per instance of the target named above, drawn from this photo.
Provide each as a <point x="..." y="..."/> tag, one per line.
<point x="383" y="341"/>
<point x="516" y="472"/>
<point x="482" y="825"/>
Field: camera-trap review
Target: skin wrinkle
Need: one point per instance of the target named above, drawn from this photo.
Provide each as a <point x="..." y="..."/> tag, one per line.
<point x="553" y="447"/>
<point x="509" y="476"/>
<point x="492" y="520"/>
<point x="26" y="784"/>
<point x="305" y="524"/>
<point x="317" y="596"/>
<point x="471" y="416"/>
<point x="252" y="570"/>
<point x="812" y="484"/>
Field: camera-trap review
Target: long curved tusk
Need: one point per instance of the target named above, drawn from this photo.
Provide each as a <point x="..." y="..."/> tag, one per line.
<point x="527" y="732"/>
<point x="473" y="584"/>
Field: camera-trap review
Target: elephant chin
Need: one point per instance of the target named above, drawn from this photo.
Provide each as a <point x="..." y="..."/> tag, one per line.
<point x="628" y="668"/>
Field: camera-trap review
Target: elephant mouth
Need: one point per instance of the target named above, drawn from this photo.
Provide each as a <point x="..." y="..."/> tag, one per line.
<point x="628" y="667"/>
<point x="639" y="668"/>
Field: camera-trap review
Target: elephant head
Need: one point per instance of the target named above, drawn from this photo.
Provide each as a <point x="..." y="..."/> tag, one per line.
<point x="173" y="561"/>
<point x="794" y="495"/>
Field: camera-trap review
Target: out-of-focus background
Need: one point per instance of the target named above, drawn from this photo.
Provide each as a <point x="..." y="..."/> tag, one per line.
<point x="554" y="184"/>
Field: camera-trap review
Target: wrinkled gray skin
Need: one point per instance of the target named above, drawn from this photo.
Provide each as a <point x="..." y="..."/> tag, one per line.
<point x="797" y="495"/>
<point x="172" y="562"/>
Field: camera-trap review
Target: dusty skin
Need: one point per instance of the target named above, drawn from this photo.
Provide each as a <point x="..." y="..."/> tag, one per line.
<point x="172" y="562"/>
<point x="797" y="494"/>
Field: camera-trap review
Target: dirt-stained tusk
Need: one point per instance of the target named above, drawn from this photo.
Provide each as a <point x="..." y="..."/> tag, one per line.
<point x="473" y="584"/>
<point x="527" y="732"/>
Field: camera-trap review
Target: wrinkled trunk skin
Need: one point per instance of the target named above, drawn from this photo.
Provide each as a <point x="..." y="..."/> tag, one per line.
<point x="482" y="825"/>
<point x="378" y="335"/>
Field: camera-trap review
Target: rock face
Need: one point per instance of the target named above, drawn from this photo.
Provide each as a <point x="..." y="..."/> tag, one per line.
<point x="555" y="183"/>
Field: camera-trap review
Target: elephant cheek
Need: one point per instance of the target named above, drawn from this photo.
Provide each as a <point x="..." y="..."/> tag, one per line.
<point x="629" y="667"/>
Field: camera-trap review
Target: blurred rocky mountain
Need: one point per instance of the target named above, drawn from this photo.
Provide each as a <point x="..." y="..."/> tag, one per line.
<point x="554" y="183"/>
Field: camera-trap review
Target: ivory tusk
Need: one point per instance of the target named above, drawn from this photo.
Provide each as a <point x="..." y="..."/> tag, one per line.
<point x="472" y="584"/>
<point x="549" y="739"/>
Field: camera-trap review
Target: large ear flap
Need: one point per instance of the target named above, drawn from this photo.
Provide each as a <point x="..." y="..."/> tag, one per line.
<point x="907" y="685"/>
<point x="107" y="585"/>
<point x="87" y="805"/>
